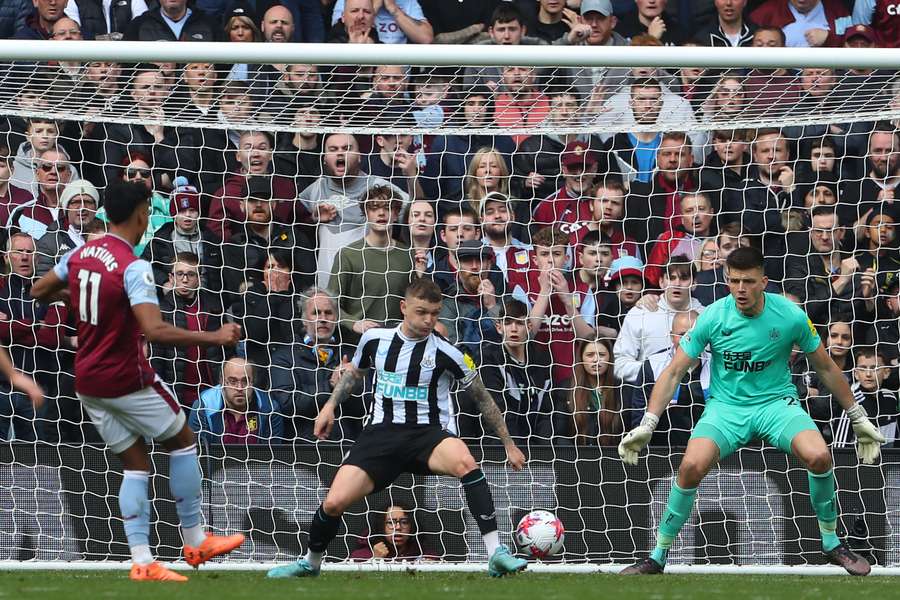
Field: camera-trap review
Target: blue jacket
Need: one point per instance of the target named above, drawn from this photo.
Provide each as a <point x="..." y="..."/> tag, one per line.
<point x="12" y="16"/>
<point x="207" y="417"/>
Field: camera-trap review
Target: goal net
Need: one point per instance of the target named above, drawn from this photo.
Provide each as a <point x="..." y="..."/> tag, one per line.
<point x="297" y="191"/>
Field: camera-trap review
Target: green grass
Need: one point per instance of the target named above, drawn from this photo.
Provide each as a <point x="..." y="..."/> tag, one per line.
<point x="225" y="585"/>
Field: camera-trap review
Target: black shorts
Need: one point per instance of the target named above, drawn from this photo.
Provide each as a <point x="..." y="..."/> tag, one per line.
<point x="386" y="450"/>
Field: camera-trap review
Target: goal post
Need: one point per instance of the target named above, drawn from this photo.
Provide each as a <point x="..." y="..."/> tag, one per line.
<point x="550" y="114"/>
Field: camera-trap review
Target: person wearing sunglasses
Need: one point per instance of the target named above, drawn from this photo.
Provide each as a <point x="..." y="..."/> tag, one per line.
<point x="41" y="135"/>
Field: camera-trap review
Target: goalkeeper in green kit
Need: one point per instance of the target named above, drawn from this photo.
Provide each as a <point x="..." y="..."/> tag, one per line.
<point x="750" y="335"/>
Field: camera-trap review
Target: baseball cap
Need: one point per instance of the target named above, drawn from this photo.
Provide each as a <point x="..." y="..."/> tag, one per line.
<point x="604" y="7"/>
<point x="624" y="266"/>
<point x="578" y="153"/>
<point x="242" y="9"/>
<point x="182" y="198"/>
<point x="473" y="248"/>
<point x="79" y="187"/>
<point x="259" y="187"/>
<point x="863" y="31"/>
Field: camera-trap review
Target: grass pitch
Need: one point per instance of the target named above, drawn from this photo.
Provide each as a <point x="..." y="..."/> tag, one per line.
<point x="227" y="585"/>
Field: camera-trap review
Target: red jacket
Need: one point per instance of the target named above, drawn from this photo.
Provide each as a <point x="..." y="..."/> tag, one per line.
<point x="667" y="245"/>
<point x="885" y="21"/>
<point x="775" y="13"/>
<point x="14" y="198"/>
<point x="226" y="212"/>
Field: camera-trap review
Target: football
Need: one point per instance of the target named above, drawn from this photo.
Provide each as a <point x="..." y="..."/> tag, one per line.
<point x="540" y="534"/>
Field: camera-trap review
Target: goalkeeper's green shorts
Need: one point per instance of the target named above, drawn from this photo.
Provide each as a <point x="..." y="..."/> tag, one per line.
<point x="733" y="426"/>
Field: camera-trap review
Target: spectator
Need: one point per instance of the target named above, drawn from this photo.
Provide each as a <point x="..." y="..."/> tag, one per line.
<point x="650" y="18"/>
<point x="598" y="83"/>
<point x="470" y="298"/>
<point x="246" y="255"/>
<point x="397" y="21"/>
<point x="497" y="225"/>
<point x="456" y="227"/>
<point x="395" y="160"/>
<point x="277" y="27"/>
<point x="357" y="24"/>
<point x="596" y="401"/>
<point x="654" y="207"/>
<point x="184" y="234"/>
<point x="545" y="19"/>
<point x="882" y="19"/>
<point x="298" y="155"/>
<point x="68" y="29"/>
<point x="730" y="29"/>
<point x="607" y="212"/>
<point x="645" y="329"/>
<point x="488" y="173"/>
<point x="29" y="343"/>
<point x="187" y="304"/>
<point x="677" y="423"/>
<point x="39" y="23"/>
<point x="517" y="373"/>
<point x="726" y="166"/>
<point x="537" y="162"/>
<point x="594" y="257"/>
<point x="172" y="21"/>
<point x="42" y="135"/>
<point x="825" y="281"/>
<point x="821" y="162"/>
<point x="345" y="183"/>
<point x="197" y="92"/>
<point x="136" y="167"/>
<point x="53" y="172"/>
<point x="726" y="102"/>
<point x="386" y="103"/>
<point x="636" y="152"/>
<point x="79" y="204"/>
<point x="420" y="223"/>
<point x="294" y="88"/>
<point x="11" y="196"/>
<point x="304" y="373"/>
<point x="554" y="318"/>
<point x="685" y="239"/>
<point x="626" y="283"/>
<point x="449" y="156"/>
<point x="393" y="538"/>
<point x="173" y="150"/>
<point x="267" y="313"/>
<point x="579" y="169"/>
<point x="236" y="411"/>
<point x="886" y="332"/>
<point x="708" y="256"/>
<point x="878" y="248"/>
<point x="370" y="275"/>
<point x="876" y="191"/>
<point x="772" y="90"/>
<point x="507" y="27"/>
<point x="240" y="27"/>
<point x="805" y="23"/>
<point x="520" y="103"/>
<point x="254" y="155"/>
<point x="106" y="20"/>
<point x="869" y="376"/>
<point x="431" y="99"/>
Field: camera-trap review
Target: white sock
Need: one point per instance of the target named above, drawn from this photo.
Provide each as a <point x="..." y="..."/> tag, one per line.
<point x="140" y="555"/>
<point x="193" y="536"/>
<point x="314" y="558"/>
<point x="492" y="542"/>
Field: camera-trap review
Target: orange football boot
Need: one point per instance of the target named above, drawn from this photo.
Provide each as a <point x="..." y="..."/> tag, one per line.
<point x="154" y="572"/>
<point x="212" y="546"/>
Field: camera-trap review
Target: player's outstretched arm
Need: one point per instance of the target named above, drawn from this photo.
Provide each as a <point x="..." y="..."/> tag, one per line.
<point x="669" y="380"/>
<point x="868" y="438"/>
<point x="158" y="331"/>
<point x="495" y="420"/>
<point x="50" y="288"/>
<point x="342" y="390"/>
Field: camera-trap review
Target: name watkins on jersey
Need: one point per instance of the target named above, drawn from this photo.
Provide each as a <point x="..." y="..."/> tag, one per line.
<point x="743" y="362"/>
<point x="101" y="254"/>
<point x="393" y="386"/>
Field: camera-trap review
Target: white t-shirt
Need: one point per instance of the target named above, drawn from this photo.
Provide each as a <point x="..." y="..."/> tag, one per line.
<point x="814" y="19"/>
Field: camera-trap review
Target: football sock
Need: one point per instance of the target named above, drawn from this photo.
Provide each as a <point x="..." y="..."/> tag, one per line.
<point x="185" y="483"/>
<point x="321" y="531"/>
<point x="135" y="508"/>
<point x="481" y="506"/>
<point x="821" y="494"/>
<point x="678" y="510"/>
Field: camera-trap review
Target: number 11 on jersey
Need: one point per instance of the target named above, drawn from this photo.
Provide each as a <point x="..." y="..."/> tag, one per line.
<point x="88" y="297"/>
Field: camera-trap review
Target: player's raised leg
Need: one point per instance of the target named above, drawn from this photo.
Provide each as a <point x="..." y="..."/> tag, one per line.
<point x="699" y="457"/>
<point x="351" y="484"/>
<point x="452" y="457"/>
<point x="185" y="483"/>
<point x="810" y="448"/>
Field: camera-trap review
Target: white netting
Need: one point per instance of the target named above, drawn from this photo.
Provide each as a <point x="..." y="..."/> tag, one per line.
<point x="663" y="161"/>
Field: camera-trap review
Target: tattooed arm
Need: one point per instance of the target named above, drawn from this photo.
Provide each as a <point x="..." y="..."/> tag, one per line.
<point x="494" y="419"/>
<point x="340" y="393"/>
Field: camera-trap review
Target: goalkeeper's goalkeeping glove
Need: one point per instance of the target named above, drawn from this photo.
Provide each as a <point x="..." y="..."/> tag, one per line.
<point x="636" y="439"/>
<point x="868" y="438"/>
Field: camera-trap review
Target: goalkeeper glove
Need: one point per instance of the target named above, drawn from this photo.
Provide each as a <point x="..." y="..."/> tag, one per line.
<point x="635" y="440"/>
<point x="868" y="438"/>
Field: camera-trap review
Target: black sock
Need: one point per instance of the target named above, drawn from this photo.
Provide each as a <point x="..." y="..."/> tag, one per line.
<point x="481" y="504"/>
<point x="322" y="530"/>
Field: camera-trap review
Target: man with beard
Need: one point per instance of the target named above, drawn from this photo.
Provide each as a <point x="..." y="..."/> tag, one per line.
<point x="579" y="169"/>
<point x="467" y="301"/>
<point x="878" y="190"/>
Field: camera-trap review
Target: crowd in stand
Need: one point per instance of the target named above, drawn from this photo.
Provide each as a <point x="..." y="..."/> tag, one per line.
<point x="571" y="263"/>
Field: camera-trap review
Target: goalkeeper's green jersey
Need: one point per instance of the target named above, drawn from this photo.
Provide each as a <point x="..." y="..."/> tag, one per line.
<point x="750" y="355"/>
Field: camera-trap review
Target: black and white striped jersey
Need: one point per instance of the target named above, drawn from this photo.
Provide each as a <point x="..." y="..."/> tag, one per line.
<point x="412" y="378"/>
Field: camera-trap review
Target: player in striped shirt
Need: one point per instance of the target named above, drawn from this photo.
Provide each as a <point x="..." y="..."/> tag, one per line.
<point x="411" y="429"/>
